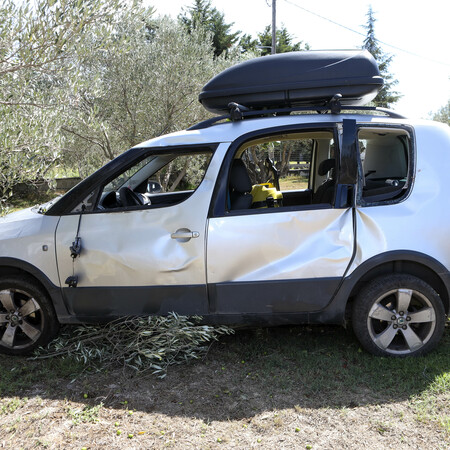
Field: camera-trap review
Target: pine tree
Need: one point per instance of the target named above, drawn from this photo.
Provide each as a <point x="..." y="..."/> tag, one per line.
<point x="202" y="14"/>
<point x="387" y="95"/>
<point x="285" y="42"/>
<point x="443" y="114"/>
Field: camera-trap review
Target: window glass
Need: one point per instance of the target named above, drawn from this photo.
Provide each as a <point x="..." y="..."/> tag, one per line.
<point x="292" y="159"/>
<point x="385" y="158"/>
<point x="283" y="170"/>
<point x="162" y="180"/>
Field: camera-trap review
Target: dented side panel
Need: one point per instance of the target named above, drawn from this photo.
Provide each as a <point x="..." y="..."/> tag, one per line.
<point x="282" y="246"/>
<point x="135" y="248"/>
<point x="419" y="222"/>
<point x="28" y="236"/>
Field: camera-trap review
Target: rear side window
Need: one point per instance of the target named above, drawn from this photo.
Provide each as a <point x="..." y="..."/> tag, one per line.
<point x="385" y="157"/>
<point x="290" y="163"/>
<point x="292" y="158"/>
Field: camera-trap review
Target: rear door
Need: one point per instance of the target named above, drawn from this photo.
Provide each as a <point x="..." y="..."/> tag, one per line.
<point x="291" y="258"/>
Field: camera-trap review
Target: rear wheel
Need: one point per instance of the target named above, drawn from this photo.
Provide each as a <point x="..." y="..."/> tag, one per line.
<point x="398" y="315"/>
<point x="27" y="317"/>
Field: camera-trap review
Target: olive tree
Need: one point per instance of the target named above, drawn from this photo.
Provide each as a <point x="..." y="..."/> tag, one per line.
<point x="38" y="41"/>
<point x="145" y="84"/>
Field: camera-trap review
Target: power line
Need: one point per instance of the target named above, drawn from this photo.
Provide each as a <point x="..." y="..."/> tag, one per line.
<point x="362" y="34"/>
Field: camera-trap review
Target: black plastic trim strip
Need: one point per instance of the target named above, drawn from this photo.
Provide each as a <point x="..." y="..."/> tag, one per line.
<point x="109" y="302"/>
<point x="350" y="281"/>
<point x="272" y="296"/>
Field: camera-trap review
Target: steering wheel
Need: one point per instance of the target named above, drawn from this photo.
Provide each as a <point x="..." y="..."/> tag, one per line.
<point x="129" y="198"/>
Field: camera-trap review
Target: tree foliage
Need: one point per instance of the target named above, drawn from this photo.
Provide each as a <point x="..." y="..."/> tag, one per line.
<point x="284" y="42"/>
<point x="81" y="82"/>
<point x="142" y="344"/>
<point x="202" y="16"/>
<point x="387" y="95"/>
<point x="38" y="44"/>
<point x="143" y="85"/>
<point x="443" y="114"/>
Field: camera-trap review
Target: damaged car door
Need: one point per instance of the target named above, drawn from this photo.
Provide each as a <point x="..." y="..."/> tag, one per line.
<point x="138" y="250"/>
<point x="291" y="255"/>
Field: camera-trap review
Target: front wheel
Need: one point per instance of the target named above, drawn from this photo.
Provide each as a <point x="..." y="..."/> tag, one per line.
<point x="27" y="317"/>
<point x="398" y="315"/>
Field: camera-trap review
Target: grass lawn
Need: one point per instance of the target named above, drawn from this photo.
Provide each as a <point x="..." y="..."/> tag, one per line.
<point x="293" y="182"/>
<point x="285" y="387"/>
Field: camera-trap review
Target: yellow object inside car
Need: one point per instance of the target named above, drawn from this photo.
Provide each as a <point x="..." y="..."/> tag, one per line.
<point x="266" y="195"/>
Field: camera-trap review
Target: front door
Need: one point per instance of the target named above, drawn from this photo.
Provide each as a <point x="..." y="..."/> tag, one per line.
<point x="140" y="259"/>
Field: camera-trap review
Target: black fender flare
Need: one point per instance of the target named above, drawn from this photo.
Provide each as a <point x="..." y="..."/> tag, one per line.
<point x="433" y="272"/>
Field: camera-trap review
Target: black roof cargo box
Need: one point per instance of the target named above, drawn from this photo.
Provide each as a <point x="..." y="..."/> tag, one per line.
<point x="295" y="79"/>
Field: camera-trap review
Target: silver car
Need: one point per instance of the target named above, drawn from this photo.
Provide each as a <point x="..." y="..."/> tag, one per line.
<point x="285" y="218"/>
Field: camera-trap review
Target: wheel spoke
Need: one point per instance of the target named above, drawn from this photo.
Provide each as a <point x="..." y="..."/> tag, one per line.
<point x="403" y="299"/>
<point x="424" y="315"/>
<point x="380" y="312"/>
<point x="32" y="332"/>
<point x="3" y="318"/>
<point x="384" y="339"/>
<point x="30" y="307"/>
<point x="8" y="336"/>
<point x="6" y="299"/>
<point x="414" y="342"/>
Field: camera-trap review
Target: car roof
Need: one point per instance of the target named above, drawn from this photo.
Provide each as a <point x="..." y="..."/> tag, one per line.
<point x="230" y="131"/>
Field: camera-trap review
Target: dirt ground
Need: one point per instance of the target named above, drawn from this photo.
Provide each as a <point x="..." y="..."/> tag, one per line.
<point x="223" y="401"/>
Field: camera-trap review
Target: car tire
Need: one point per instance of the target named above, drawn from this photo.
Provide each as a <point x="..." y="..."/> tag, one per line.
<point x="398" y="315"/>
<point x="27" y="317"/>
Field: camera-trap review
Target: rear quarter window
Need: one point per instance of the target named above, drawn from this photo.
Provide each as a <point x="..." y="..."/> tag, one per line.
<point x="386" y="165"/>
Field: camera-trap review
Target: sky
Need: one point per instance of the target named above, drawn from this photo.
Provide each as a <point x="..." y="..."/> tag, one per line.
<point x="415" y="32"/>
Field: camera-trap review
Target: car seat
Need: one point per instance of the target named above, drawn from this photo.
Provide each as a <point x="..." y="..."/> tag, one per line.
<point x="240" y="186"/>
<point x="325" y="192"/>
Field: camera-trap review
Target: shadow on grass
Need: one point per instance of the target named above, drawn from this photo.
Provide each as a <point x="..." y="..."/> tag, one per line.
<point x="252" y="372"/>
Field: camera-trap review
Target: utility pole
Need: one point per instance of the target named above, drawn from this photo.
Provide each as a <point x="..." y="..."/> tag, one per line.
<point x="274" y="27"/>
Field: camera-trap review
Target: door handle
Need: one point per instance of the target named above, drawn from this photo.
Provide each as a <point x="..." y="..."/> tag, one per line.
<point x="184" y="235"/>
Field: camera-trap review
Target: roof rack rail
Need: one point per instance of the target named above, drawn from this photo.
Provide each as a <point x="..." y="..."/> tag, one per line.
<point x="239" y="112"/>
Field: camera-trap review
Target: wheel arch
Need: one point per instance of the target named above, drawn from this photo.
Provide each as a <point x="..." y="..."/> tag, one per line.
<point x="416" y="264"/>
<point x="16" y="267"/>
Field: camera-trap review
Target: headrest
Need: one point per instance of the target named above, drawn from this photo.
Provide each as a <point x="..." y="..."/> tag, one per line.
<point x="325" y="166"/>
<point x="239" y="179"/>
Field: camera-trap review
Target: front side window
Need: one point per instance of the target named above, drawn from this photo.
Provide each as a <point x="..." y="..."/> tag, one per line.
<point x="156" y="180"/>
<point x="385" y="156"/>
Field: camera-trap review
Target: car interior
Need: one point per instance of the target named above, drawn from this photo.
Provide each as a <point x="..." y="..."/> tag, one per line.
<point x="157" y="180"/>
<point x="290" y="169"/>
<point x="304" y="171"/>
<point x="385" y="158"/>
<point x="283" y="170"/>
